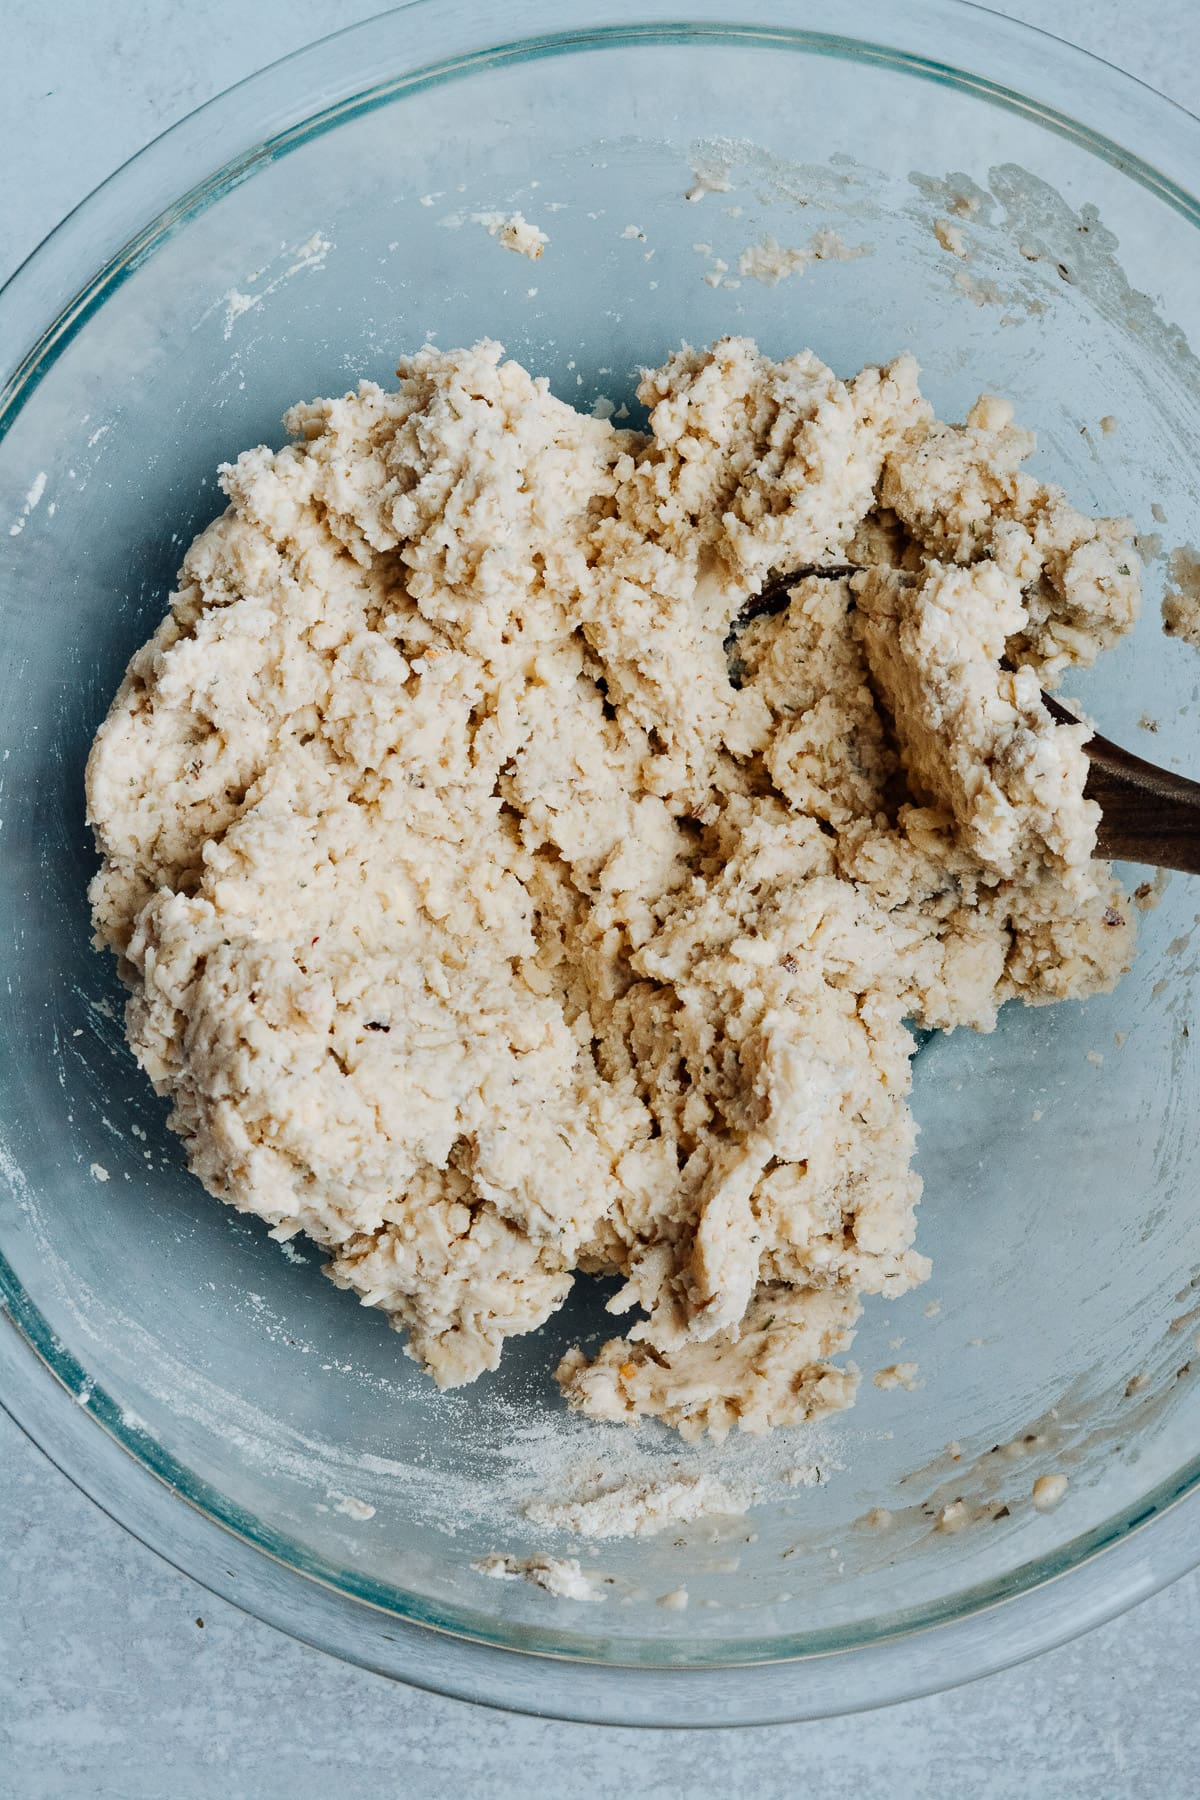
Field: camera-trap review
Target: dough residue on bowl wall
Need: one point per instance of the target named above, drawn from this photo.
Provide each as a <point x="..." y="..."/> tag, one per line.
<point x="772" y="262"/>
<point x="1181" y="602"/>
<point x="561" y="1576"/>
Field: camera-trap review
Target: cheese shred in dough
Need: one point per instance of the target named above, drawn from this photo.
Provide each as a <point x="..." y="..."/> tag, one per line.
<point x="497" y="903"/>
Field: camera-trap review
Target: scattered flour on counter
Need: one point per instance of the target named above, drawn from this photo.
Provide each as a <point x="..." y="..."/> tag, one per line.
<point x="559" y="1575"/>
<point x="675" y="1601"/>
<point x="641" y="1508"/>
<point x="32" y="501"/>
<point x="514" y="231"/>
<point x="772" y="262"/>
<point x="1181" y="602"/>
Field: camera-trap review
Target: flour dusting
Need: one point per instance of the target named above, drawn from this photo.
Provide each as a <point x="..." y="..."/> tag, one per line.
<point x="641" y="1508"/>
<point x="32" y="501"/>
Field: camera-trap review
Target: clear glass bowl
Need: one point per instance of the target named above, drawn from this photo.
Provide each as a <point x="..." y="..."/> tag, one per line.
<point x="299" y="233"/>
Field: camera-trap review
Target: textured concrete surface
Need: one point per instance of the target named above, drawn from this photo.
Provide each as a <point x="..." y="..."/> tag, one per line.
<point x="121" y="1680"/>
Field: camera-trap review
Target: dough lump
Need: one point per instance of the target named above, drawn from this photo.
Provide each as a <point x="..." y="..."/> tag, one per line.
<point x="499" y="898"/>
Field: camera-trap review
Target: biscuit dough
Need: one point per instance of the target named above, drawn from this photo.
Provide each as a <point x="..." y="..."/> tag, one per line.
<point x="499" y="899"/>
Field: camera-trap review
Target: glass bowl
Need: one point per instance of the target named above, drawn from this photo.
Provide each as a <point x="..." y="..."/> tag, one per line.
<point x="301" y="232"/>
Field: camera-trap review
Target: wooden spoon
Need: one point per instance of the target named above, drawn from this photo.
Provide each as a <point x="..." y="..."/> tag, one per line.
<point x="1148" y="815"/>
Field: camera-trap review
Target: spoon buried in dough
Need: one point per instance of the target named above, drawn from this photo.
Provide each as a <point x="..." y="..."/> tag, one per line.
<point x="1147" y="814"/>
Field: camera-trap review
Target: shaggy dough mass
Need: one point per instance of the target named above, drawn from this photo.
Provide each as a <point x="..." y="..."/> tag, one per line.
<point x="492" y="910"/>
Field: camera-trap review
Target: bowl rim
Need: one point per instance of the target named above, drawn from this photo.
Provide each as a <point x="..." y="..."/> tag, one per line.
<point x="114" y="230"/>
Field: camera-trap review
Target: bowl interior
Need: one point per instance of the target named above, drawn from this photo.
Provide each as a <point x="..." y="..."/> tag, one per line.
<point x="1060" y="1154"/>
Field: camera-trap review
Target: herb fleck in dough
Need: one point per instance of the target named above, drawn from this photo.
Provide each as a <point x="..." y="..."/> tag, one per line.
<point x="492" y="911"/>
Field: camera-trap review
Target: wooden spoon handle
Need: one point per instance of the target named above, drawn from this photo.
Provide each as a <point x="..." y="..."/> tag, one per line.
<point x="1148" y="815"/>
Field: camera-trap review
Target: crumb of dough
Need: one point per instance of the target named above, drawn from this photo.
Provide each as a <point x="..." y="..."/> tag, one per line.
<point x="1158" y="512"/>
<point x="634" y="231"/>
<point x="879" y="1519"/>
<point x="897" y="1375"/>
<point x="1181" y="602"/>
<point x="641" y="1508"/>
<point x="979" y="293"/>
<point x="710" y="178"/>
<point x="1048" y="1490"/>
<point x="772" y="262"/>
<point x="1109" y="423"/>
<point x="950" y="237"/>
<point x="352" y="1507"/>
<point x="558" y="1575"/>
<point x="1148" y="894"/>
<point x="500" y="899"/>
<point x="675" y="1601"/>
<point x="98" y="1172"/>
<point x="515" y="232"/>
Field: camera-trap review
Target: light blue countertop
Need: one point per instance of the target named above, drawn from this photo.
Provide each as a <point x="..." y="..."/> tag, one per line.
<point x="122" y="1680"/>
